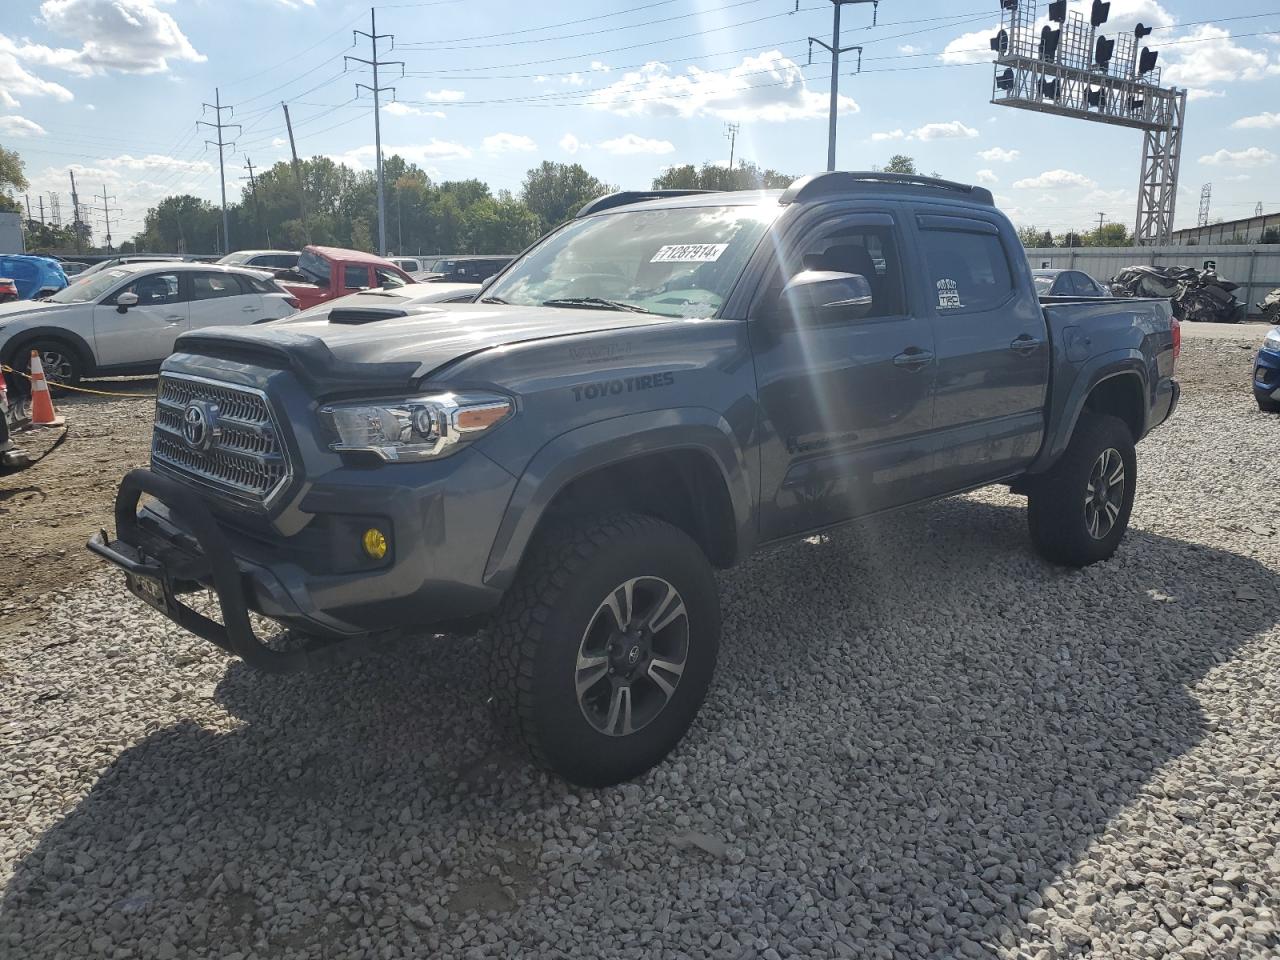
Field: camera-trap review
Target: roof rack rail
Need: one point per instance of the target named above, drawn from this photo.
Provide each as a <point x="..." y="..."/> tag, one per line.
<point x="841" y="181"/>
<point x="623" y="197"/>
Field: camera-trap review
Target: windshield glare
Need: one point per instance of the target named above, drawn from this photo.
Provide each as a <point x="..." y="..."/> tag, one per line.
<point x="1043" y="284"/>
<point x="89" y="287"/>
<point x="676" y="262"/>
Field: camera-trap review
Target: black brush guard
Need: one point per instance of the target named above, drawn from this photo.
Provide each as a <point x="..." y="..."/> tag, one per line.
<point x="158" y="570"/>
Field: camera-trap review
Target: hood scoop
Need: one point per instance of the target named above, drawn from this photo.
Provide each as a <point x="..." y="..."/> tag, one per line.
<point x="354" y="316"/>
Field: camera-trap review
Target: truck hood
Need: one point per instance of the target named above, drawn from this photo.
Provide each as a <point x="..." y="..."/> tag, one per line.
<point x="402" y="348"/>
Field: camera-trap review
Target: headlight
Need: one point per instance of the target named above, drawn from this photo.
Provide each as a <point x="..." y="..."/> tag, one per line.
<point x="1272" y="340"/>
<point x="420" y="428"/>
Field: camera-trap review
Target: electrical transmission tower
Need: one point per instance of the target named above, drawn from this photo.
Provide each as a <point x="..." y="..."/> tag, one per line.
<point x="1202" y="218"/>
<point x="1257" y="211"/>
<point x="220" y="143"/>
<point x="374" y="36"/>
<point x="106" y="213"/>
<point x="55" y="208"/>
<point x="1073" y="71"/>
<point x="731" y="134"/>
<point x="835" y="50"/>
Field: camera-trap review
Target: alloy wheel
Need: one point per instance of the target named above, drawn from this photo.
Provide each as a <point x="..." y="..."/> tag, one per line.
<point x="1104" y="494"/>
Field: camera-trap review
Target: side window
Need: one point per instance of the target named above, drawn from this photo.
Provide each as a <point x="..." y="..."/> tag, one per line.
<point x="1088" y="286"/>
<point x="388" y="279"/>
<point x="210" y="286"/>
<point x="355" y="277"/>
<point x="967" y="270"/>
<point x="155" y="289"/>
<point x="849" y="245"/>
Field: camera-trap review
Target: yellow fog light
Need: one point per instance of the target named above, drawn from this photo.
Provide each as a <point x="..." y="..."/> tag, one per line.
<point x="375" y="543"/>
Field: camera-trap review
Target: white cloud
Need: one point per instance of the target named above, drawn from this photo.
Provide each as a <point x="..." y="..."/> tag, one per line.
<point x="571" y="144"/>
<point x="128" y="36"/>
<point x="630" y="143"/>
<point x="279" y="142"/>
<point x="574" y="80"/>
<point x="398" y="109"/>
<point x="908" y="49"/>
<point x="156" y="162"/>
<point x="1202" y="94"/>
<point x="1262" y="121"/>
<point x="1055" y="180"/>
<point x="1214" y="60"/>
<point x="1249" y="157"/>
<point x="444" y="96"/>
<point x="987" y="176"/>
<point x="949" y="130"/>
<point x="768" y="87"/>
<point x="539" y="79"/>
<point x="972" y="47"/>
<point x="419" y="153"/>
<point x="975" y="47"/>
<point x="1000" y="154"/>
<point x="601" y="67"/>
<point x="90" y="107"/>
<point x="17" y="81"/>
<point x="1239" y="177"/>
<point x="508" y="143"/>
<point x="296" y="4"/>
<point x="14" y="126"/>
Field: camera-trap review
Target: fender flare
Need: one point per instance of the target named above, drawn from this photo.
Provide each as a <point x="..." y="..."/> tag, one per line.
<point x="587" y="448"/>
<point x="78" y="342"/>
<point x="1127" y="362"/>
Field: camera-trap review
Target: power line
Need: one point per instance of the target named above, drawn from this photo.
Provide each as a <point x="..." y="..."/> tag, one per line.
<point x="217" y="108"/>
<point x="376" y="90"/>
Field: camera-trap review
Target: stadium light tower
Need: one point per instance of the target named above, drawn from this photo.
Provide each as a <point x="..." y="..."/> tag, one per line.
<point x="1066" y="68"/>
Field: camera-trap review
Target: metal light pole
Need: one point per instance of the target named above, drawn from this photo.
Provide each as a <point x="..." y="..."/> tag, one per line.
<point x="835" y="50"/>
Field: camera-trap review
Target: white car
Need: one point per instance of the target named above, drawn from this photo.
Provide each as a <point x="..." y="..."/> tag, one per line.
<point x="124" y="320"/>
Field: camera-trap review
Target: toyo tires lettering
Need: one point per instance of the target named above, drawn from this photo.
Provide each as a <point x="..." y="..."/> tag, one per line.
<point x="611" y="388"/>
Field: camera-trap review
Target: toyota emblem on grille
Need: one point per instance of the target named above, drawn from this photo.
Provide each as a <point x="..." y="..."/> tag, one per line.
<point x="200" y="425"/>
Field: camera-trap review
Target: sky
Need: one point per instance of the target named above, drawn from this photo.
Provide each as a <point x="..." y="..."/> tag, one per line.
<point x="113" y="90"/>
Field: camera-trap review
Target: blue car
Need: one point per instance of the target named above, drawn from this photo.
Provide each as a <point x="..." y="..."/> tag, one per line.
<point x="33" y="276"/>
<point x="1266" y="373"/>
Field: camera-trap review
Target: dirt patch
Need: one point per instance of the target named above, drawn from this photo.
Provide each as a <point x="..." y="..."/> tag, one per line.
<point x="48" y="511"/>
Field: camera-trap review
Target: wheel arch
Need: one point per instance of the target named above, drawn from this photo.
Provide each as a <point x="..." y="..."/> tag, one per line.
<point x="683" y="466"/>
<point x="25" y="338"/>
<point x="1116" y="384"/>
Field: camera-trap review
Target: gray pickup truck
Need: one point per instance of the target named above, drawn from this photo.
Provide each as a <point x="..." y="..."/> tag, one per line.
<point x="660" y="386"/>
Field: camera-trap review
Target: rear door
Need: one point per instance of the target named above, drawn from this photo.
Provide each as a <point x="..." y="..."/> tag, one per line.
<point x="144" y="333"/>
<point x="847" y="404"/>
<point x="223" y="299"/>
<point x="992" y="348"/>
<point x="355" y="277"/>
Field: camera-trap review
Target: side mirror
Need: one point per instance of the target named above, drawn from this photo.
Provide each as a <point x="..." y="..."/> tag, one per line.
<point x="125" y="301"/>
<point x="818" y="295"/>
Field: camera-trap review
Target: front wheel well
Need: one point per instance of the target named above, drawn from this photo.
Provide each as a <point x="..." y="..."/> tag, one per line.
<point x="24" y="342"/>
<point x="683" y="487"/>
<point x="1122" y="397"/>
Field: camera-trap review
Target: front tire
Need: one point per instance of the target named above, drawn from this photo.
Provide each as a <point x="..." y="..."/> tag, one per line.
<point x="1267" y="405"/>
<point x="1078" y="512"/>
<point x="61" y="362"/>
<point x="604" y="648"/>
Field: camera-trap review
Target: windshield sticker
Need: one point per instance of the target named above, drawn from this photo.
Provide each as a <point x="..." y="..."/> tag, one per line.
<point x="689" y="253"/>
<point x="948" y="295"/>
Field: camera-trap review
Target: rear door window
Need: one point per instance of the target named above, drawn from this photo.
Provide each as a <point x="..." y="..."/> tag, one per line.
<point x="210" y="286"/>
<point x="355" y="277"/>
<point x="968" y="268"/>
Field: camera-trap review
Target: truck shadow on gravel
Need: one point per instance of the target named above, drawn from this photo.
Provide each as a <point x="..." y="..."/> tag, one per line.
<point x="915" y="728"/>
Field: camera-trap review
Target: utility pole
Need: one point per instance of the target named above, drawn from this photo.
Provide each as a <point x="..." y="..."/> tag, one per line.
<point x="41" y="199"/>
<point x="835" y="50"/>
<point x="75" y="209"/>
<point x="1257" y="211"/>
<point x="27" y="196"/>
<point x="1101" y="218"/>
<point x="297" y="175"/>
<point x="217" y="109"/>
<point x="376" y="90"/>
<point x="731" y="134"/>
<point x="106" y="214"/>
<point x="257" y="207"/>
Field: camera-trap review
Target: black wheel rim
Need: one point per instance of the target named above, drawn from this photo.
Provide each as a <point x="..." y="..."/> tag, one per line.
<point x="632" y="656"/>
<point x="57" y="366"/>
<point x="1104" y="495"/>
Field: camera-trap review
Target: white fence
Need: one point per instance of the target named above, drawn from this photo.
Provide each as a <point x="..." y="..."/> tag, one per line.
<point x="1256" y="268"/>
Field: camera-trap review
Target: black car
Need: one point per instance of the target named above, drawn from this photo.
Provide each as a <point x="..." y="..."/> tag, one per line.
<point x="1067" y="283"/>
<point x="464" y="269"/>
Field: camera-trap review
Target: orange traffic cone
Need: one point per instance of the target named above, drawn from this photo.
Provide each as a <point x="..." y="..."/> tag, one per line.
<point x="42" y="413"/>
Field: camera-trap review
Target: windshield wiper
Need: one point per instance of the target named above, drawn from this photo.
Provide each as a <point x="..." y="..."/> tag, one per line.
<point x="594" y="302"/>
<point x="492" y="300"/>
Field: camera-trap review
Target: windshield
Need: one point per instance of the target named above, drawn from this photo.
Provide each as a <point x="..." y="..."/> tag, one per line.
<point x="315" y="267"/>
<point x="238" y="257"/>
<point x="89" y="287"/>
<point x="676" y="262"/>
<point x="1043" y="284"/>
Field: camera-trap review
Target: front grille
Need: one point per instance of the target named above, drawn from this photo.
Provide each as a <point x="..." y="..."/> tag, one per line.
<point x="245" y="460"/>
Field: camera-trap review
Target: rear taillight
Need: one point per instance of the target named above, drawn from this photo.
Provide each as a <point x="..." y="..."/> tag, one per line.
<point x="1177" y="339"/>
<point x="293" y="302"/>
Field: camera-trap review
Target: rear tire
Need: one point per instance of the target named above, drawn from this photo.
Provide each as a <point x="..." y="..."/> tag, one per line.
<point x="1078" y="512"/>
<point x="1268" y="406"/>
<point x="604" y="647"/>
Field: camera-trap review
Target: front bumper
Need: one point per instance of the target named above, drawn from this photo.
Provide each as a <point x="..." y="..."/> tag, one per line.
<point x="1266" y="375"/>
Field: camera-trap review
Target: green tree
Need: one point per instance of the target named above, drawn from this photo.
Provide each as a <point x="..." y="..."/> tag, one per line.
<point x="12" y="178"/>
<point x="499" y="224"/>
<point x="555" y="191"/>
<point x="1030" y="235"/>
<point x="1111" y="235"/>
<point x="711" y="176"/>
<point x="901" y="163"/>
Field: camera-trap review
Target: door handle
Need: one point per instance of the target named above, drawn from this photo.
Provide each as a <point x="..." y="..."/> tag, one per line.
<point x="1025" y="344"/>
<point x="175" y="319"/>
<point x="913" y="358"/>
<point x="248" y="309"/>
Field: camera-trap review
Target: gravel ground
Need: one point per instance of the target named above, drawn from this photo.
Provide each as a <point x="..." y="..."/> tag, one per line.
<point x="922" y="742"/>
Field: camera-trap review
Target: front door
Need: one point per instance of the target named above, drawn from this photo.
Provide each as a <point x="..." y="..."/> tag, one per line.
<point x="846" y="406"/>
<point x="993" y="350"/>
<point x="145" y="332"/>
